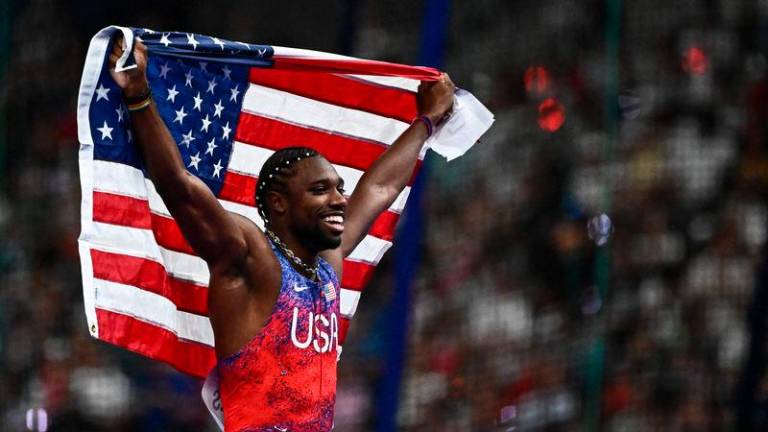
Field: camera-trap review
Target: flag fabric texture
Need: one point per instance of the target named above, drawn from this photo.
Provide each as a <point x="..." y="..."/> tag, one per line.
<point x="229" y="106"/>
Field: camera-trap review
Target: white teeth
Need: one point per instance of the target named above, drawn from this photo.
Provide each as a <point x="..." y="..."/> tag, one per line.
<point x="334" y="219"/>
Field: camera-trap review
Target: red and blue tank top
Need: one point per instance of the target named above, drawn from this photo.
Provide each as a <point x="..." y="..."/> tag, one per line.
<point x="284" y="379"/>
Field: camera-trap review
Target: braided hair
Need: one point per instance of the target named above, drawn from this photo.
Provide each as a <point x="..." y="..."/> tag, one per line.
<point x="275" y="173"/>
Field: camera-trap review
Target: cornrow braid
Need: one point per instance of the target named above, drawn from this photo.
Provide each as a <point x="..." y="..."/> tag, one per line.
<point x="275" y="173"/>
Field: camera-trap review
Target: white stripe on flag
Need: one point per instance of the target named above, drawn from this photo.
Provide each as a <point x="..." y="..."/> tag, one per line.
<point x="407" y="84"/>
<point x="152" y="308"/>
<point x="349" y="300"/>
<point x="272" y="103"/>
<point x="120" y="179"/>
<point x="141" y="243"/>
<point x="370" y="250"/>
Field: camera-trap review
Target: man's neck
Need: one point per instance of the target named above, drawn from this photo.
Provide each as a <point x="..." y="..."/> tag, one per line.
<point x="309" y="257"/>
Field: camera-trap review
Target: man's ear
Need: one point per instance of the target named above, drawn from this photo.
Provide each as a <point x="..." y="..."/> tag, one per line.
<point x="277" y="202"/>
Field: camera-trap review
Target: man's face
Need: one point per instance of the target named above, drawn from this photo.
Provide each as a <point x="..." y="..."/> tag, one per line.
<point x="316" y="204"/>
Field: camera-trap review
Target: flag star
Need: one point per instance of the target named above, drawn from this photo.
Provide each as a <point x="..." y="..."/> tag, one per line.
<point x="198" y="102"/>
<point x="180" y="114"/>
<point x="106" y="131"/>
<point x="194" y="160"/>
<point x="227" y="72"/>
<point x="217" y="168"/>
<point x="150" y="31"/>
<point x="203" y="66"/>
<point x="191" y="40"/>
<point x="211" y="146"/>
<point x="172" y="94"/>
<point x="188" y="77"/>
<point x="212" y="85"/>
<point x="130" y="135"/>
<point x="164" y="70"/>
<point x="225" y="131"/>
<point x="101" y="93"/>
<point x="187" y="139"/>
<point x="164" y="39"/>
<point x="244" y="44"/>
<point x="218" y="42"/>
<point x="206" y="123"/>
<point x="235" y="92"/>
<point x="218" y="107"/>
<point x="120" y="113"/>
<point x="262" y="52"/>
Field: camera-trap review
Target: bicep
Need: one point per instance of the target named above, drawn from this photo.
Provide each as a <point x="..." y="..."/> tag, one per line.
<point x="211" y="230"/>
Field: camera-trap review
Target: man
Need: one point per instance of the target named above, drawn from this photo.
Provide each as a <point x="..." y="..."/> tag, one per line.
<point x="272" y="298"/>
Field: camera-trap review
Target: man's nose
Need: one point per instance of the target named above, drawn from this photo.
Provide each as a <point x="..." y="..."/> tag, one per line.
<point x="338" y="199"/>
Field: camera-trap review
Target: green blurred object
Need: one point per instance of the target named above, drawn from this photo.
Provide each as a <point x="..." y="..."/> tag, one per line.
<point x="595" y="359"/>
<point x="5" y="44"/>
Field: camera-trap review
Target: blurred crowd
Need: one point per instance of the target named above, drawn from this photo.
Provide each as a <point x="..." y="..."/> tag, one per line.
<point x="520" y="320"/>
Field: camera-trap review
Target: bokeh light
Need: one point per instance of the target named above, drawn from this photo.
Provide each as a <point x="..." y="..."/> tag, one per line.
<point x="551" y="115"/>
<point x="537" y="80"/>
<point x="695" y="61"/>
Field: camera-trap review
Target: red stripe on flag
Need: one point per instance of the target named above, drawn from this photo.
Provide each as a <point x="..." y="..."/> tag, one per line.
<point x="276" y="135"/>
<point x="384" y="225"/>
<point x="337" y="90"/>
<point x="355" y="66"/>
<point x="355" y="275"/>
<point x="168" y="234"/>
<point x="150" y="276"/>
<point x="338" y="149"/>
<point x="133" y="212"/>
<point x="155" y="342"/>
<point x="121" y="210"/>
<point x="239" y="188"/>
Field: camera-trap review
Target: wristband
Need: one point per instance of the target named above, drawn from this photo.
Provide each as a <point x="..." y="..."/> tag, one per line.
<point x="427" y="122"/>
<point x="140" y="102"/>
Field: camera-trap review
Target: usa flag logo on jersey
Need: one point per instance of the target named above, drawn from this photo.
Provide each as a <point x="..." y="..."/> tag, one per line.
<point x="329" y="292"/>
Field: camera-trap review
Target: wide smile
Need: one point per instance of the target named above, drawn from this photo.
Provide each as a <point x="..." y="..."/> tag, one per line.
<point x="335" y="223"/>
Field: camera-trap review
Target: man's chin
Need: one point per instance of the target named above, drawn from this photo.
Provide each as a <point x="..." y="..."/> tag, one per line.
<point x="325" y="241"/>
<point x="331" y="242"/>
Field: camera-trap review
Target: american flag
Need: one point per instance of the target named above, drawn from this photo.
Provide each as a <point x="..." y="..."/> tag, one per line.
<point x="229" y="106"/>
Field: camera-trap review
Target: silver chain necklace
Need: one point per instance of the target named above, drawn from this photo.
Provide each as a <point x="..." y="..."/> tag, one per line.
<point x="311" y="270"/>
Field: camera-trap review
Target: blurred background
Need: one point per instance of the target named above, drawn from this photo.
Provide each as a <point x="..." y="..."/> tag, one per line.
<point x="517" y="317"/>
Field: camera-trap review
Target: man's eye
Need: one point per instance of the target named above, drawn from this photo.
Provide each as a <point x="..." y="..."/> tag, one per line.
<point x="341" y="190"/>
<point x="319" y="189"/>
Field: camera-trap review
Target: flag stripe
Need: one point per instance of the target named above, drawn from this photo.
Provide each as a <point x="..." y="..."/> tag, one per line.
<point x="310" y="113"/>
<point x="407" y="84"/>
<point x="150" y="276"/>
<point x="338" y="149"/>
<point x="141" y="243"/>
<point x="152" y="308"/>
<point x="349" y="300"/>
<point x="295" y="60"/>
<point x="341" y="91"/>
<point x="155" y="342"/>
<point x="356" y="274"/>
<point x="275" y="134"/>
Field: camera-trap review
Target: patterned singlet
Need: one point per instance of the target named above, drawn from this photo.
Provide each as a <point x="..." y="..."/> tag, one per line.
<point x="284" y="379"/>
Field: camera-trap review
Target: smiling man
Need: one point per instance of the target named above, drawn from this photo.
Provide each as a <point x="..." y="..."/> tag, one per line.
<point x="273" y="295"/>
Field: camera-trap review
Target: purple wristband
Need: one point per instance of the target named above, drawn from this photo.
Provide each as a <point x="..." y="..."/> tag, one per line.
<point x="427" y="123"/>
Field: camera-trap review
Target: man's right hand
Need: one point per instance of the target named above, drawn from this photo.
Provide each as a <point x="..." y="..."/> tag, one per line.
<point x="133" y="82"/>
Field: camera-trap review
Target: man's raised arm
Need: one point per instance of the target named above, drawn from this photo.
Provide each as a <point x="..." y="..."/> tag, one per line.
<point x="386" y="178"/>
<point x="211" y="231"/>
